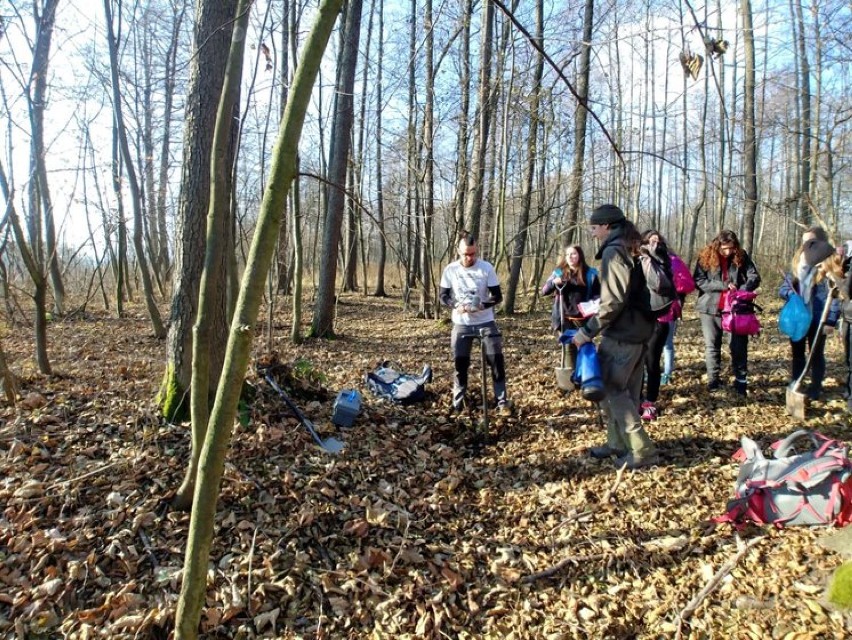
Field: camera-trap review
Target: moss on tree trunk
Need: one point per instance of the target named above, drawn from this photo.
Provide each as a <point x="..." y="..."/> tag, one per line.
<point x="172" y="398"/>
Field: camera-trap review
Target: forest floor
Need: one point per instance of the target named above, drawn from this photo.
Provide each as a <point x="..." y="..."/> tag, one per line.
<point x="410" y="532"/>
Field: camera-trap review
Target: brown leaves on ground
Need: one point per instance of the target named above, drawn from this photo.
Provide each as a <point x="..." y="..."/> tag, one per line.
<point x="412" y="532"/>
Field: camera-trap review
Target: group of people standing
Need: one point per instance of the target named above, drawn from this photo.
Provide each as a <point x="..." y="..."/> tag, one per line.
<point x="631" y="342"/>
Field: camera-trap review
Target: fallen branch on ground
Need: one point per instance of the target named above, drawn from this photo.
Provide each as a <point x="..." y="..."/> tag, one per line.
<point x="724" y="570"/>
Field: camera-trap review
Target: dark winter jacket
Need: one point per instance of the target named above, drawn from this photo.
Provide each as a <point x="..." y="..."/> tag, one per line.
<point x="710" y="284"/>
<point x="566" y="299"/>
<point x="618" y="318"/>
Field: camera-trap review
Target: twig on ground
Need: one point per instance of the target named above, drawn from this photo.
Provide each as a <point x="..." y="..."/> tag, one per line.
<point x="711" y="585"/>
<point x="399" y="551"/>
<point x="89" y="474"/>
<point x="574" y="516"/>
<point x="610" y="494"/>
<point x="146" y="542"/>
<point x="248" y="585"/>
<point x="546" y="573"/>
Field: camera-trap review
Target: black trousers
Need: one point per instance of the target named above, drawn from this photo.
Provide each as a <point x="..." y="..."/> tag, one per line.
<point x="653" y="370"/>
<point x="847" y="348"/>
<point x="816" y="343"/>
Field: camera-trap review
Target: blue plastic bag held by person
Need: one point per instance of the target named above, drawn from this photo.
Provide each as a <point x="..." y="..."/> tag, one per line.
<point x="587" y="372"/>
<point x="795" y="317"/>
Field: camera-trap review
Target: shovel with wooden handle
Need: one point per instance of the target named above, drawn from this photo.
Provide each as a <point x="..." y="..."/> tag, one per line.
<point x="483" y="333"/>
<point x="796" y="400"/>
<point x="563" y="373"/>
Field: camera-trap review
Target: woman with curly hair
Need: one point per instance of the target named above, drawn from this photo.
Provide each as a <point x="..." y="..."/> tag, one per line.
<point x="722" y="266"/>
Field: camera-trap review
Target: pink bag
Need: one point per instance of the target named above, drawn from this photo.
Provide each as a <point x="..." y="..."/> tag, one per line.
<point x="739" y="313"/>
<point x="674" y="312"/>
<point x="683" y="281"/>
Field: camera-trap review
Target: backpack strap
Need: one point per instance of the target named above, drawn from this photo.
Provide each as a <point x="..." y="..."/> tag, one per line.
<point x="747" y="451"/>
<point x="782" y="447"/>
<point x="844" y="492"/>
<point x="592" y="272"/>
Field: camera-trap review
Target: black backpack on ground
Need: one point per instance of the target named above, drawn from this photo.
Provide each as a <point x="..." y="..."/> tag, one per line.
<point x="388" y="382"/>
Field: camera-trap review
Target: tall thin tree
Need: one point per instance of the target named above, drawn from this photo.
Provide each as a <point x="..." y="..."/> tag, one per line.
<point x="750" y="194"/>
<point x="323" y="321"/>
<point x="238" y="351"/>
<point x="519" y="242"/>
<point x="581" y="117"/>
<point x="476" y="175"/>
<point x="133" y="184"/>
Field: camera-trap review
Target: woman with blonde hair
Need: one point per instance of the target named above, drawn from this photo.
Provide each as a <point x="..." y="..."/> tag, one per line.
<point x="812" y="262"/>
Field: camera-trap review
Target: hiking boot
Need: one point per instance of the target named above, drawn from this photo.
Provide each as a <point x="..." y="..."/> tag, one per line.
<point x="649" y="411"/>
<point x="505" y="408"/>
<point x="605" y="451"/>
<point x="814" y="393"/>
<point x="636" y="460"/>
<point x="741" y="387"/>
<point x="455" y="409"/>
<point x="714" y="385"/>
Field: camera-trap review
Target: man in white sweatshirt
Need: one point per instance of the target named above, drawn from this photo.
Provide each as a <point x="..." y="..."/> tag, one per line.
<point x="469" y="286"/>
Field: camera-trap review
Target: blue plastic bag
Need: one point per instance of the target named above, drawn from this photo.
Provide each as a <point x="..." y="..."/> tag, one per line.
<point x="587" y="371"/>
<point x="795" y="318"/>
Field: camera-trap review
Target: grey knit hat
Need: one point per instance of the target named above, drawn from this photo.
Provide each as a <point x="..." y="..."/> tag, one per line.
<point x="607" y="214"/>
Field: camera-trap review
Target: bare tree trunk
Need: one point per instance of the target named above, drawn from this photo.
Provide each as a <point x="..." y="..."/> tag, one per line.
<point x="359" y="164"/>
<point x="164" y="259"/>
<point x="749" y="142"/>
<point x="723" y="175"/>
<point x="238" y="351"/>
<point x="460" y="200"/>
<point x="520" y="241"/>
<point x="350" y="237"/>
<point x="427" y="309"/>
<point x="210" y="50"/>
<point x="8" y="380"/>
<point x="476" y="176"/>
<point x="803" y="82"/>
<point x="504" y="150"/>
<point x="323" y="321"/>
<point x="815" y="198"/>
<point x="37" y="102"/>
<point x="38" y="277"/>
<point x="412" y="165"/>
<point x="216" y="254"/>
<point x="120" y="265"/>
<point x="295" y="197"/>
<point x="136" y="196"/>
<point x="575" y="188"/>
<point x="146" y="162"/>
<point x="380" y="197"/>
